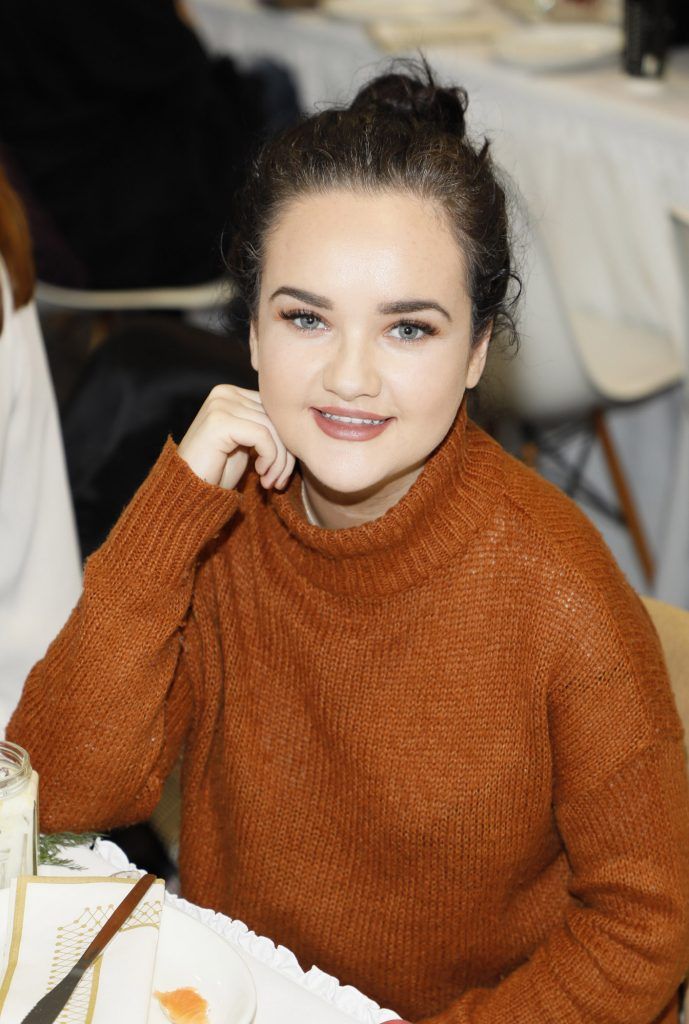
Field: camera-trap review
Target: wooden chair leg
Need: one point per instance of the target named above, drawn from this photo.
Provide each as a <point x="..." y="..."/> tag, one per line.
<point x="624" y="495"/>
<point x="530" y="454"/>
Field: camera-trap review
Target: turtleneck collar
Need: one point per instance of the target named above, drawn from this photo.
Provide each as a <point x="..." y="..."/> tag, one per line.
<point x="455" y="492"/>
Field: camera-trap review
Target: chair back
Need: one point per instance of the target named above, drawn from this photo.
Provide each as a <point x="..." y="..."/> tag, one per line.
<point x="680" y="226"/>
<point x="545" y="380"/>
<point x="211" y="295"/>
<point x="672" y="626"/>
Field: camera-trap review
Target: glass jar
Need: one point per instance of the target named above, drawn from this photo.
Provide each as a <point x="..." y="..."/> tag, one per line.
<point x="18" y="814"/>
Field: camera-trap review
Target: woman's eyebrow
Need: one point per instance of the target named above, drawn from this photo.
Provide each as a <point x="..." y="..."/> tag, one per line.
<point x="387" y="308"/>
<point x="302" y="296"/>
<point x="412" y="306"/>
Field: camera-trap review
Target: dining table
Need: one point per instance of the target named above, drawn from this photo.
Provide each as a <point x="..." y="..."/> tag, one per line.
<point x="597" y="157"/>
<point x="285" y="991"/>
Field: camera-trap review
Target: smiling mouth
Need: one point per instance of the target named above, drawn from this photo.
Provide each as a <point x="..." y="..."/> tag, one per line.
<point x="345" y="425"/>
<point x="350" y="419"/>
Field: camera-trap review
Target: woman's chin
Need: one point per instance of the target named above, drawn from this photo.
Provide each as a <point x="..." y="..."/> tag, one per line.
<point x="349" y="481"/>
<point x="360" y="479"/>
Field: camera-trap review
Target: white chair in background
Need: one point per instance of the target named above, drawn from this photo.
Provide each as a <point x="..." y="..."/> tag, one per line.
<point x="91" y="314"/>
<point x="672" y="583"/>
<point x="184" y="298"/>
<point x="571" y="367"/>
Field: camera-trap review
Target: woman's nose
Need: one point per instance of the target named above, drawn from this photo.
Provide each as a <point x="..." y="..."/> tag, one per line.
<point x="351" y="371"/>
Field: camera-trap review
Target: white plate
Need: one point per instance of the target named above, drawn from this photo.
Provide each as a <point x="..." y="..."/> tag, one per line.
<point x="190" y="955"/>
<point x="559" y="47"/>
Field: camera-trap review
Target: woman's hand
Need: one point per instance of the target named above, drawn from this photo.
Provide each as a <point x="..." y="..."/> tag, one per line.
<point x="231" y="424"/>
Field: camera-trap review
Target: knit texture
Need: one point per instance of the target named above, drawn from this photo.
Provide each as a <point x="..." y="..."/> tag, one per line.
<point x="436" y="755"/>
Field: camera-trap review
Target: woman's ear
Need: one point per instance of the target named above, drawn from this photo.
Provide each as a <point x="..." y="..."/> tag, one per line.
<point x="478" y="356"/>
<point x="253" y="345"/>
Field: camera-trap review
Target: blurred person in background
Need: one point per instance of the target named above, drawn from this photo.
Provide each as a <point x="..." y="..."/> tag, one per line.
<point x="125" y="139"/>
<point x="40" y="572"/>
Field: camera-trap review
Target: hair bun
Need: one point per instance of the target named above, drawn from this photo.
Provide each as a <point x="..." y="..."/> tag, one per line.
<point x="414" y="94"/>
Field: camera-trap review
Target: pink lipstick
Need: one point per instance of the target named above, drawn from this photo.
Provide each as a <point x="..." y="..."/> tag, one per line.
<point x="350" y="424"/>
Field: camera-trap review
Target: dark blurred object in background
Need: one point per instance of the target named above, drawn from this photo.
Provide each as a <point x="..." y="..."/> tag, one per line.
<point x="148" y="379"/>
<point x="679" y="22"/>
<point x="125" y="139"/>
<point x="646" y="37"/>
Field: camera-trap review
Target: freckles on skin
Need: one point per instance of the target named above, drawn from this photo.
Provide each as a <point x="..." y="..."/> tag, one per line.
<point x="363" y="248"/>
<point x="359" y="252"/>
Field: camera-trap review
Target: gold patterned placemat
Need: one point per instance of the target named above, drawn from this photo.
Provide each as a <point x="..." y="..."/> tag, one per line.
<point x="70" y="936"/>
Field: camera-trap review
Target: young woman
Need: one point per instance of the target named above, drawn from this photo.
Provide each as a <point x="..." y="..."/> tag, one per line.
<point x="429" y="742"/>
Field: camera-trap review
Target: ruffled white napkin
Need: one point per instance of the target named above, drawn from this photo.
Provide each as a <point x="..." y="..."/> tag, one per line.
<point x="51" y="922"/>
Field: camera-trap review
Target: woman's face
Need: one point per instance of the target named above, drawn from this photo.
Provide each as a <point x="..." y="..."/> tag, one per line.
<point x="362" y="338"/>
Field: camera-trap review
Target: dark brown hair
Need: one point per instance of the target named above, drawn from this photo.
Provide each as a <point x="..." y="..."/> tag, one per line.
<point x="401" y="131"/>
<point x="15" y="246"/>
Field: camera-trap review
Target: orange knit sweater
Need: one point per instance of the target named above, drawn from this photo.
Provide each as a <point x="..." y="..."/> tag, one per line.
<point x="436" y="754"/>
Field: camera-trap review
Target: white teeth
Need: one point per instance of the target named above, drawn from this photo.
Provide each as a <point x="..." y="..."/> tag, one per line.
<point x="349" y="419"/>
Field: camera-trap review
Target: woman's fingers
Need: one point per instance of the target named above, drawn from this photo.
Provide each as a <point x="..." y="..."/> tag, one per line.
<point x="231" y="391"/>
<point x="273" y="472"/>
<point x="284" y="477"/>
<point x="230" y="425"/>
<point x="270" y="451"/>
<point x="270" y="466"/>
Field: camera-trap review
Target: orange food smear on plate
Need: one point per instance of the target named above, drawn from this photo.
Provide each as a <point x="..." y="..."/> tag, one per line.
<point x="184" y="1006"/>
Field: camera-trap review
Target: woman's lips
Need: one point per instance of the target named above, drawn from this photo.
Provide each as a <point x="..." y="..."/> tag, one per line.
<point x="350" y="424"/>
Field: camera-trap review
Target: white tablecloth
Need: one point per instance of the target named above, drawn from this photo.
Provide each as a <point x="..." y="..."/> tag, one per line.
<point x="600" y="160"/>
<point x="285" y="994"/>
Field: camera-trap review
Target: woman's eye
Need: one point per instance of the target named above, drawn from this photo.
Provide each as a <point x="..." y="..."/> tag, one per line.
<point x="411" y="332"/>
<point x="309" y="322"/>
<point x="304" y="321"/>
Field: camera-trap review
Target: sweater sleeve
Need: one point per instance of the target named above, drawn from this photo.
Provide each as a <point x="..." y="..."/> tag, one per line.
<point x="621" y="805"/>
<point x="105" y="713"/>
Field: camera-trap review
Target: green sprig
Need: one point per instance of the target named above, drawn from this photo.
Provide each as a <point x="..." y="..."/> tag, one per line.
<point x="50" y="846"/>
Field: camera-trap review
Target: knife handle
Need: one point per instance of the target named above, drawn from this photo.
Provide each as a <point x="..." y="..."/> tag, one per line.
<point x="115" y="921"/>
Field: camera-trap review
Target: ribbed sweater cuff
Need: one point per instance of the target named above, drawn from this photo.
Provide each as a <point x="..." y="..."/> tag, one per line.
<point x="161" y="533"/>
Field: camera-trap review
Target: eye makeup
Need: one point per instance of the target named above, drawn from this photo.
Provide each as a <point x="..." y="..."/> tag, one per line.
<point x="294" y="315"/>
